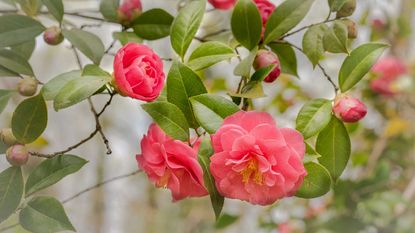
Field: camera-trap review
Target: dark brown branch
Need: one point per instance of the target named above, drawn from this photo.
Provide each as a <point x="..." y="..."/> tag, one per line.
<point x="99" y="127"/>
<point x="308" y="26"/>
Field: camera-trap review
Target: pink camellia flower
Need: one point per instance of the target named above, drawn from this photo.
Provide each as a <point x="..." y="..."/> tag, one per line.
<point x="222" y="4"/>
<point x="129" y="10"/>
<point x="138" y="72"/>
<point x="171" y="164"/>
<point x="266" y="58"/>
<point x="254" y="160"/>
<point x="265" y="8"/>
<point x="388" y="70"/>
<point x="349" y="109"/>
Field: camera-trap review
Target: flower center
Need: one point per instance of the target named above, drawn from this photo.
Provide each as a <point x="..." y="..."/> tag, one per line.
<point x="251" y="172"/>
<point x="164" y="180"/>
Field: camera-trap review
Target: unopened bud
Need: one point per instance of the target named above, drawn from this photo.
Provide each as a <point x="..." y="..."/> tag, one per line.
<point x="349" y="109"/>
<point x="266" y="58"/>
<point x="53" y="36"/>
<point x="7" y="137"/>
<point x="129" y="11"/>
<point x="27" y="86"/>
<point x="17" y="155"/>
<point x="347" y="9"/>
<point x="351" y="28"/>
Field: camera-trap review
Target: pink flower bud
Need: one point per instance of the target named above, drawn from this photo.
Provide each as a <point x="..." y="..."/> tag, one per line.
<point x="349" y="109"/>
<point x="222" y="4"/>
<point x="266" y="58"/>
<point x="53" y="36"/>
<point x="27" y="86"/>
<point x="129" y="11"/>
<point x="7" y="137"/>
<point x="17" y="155"/>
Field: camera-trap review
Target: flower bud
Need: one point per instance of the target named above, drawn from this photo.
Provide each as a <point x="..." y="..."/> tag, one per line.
<point x="347" y="9"/>
<point x="7" y="137"/>
<point x="53" y="36"/>
<point x="17" y="155"/>
<point x="351" y="28"/>
<point x="349" y="109"/>
<point x="266" y="58"/>
<point x="27" y="86"/>
<point x="129" y="11"/>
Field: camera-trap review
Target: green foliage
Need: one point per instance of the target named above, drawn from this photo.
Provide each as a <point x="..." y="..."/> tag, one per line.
<point x="153" y="24"/>
<point x="126" y="37"/>
<point x="208" y="54"/>
<point x="226" y="220"/>
<point x="336" y="5"/>
<point x="17" y="29"/>
<point x="109" y="9"/>
<point x="89" y="44"/>
<point x="11" y="191"/>
<point x="52" y="171"/>
<point x="335" y="38"/>
<point x="55" y="7"/>
<point x="4" y="98"/>
<point x="286" y="56"/>
<point x="244" y="67"/>
<point x="316" y="183"/>
<point x="30" y="119"/>
<point x="314" y="117"/>
<point x="25" y="49"/>
<point x="52" y="88"/>
<point x="42" y="213"/>
<point x="246" y="24"/>
<point x="14" y="62"/>
<point x="313" y="45"/>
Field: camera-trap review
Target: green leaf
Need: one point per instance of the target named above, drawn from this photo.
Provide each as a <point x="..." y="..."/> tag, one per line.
<point x="205" y="151"/>
<point x="153" y="24"/>
<point x="88" y="43"/>
<point x="311" y="154"/>
<point x="169" y="117"/>
<point x="185" y="26"/>
<point x="183" y="83"/>
<point x="262" y="73"/>
<point x="314" y="117"/>
<point x="126" y="37"/>
<point x="210" y="110"/>
<point x="55" y="7"/>
<point x="335" y="38"/>
<point x="4" y="98"/>
<point x="94" y="70"/>
<point x="7" y="73"/>
<point x="109" y="9"/>
<point x="78" y="90"/>
<point x="244" y="67"/>
<point x="51" y="171"/>
<point x="333" y="144"/>
<point x="287" y="57"/>
<point x="208" y="54"/>
<point x="52" y="88"/>
<point x="30" y="119"/>
<point x="336" y="5"/>
<point x="251" y="90"/>
<point x="44" y="214"/>
<point x="17" y="29"/>
<point x="360" y="61"/>
<point x="11" y="191"/>
<point x="285" y="17"/>
<point x="25" y="49"/>
<point x="14" y="62"/>
<point x="313" y="45"/>
<point x="246" y="24"/>
<point x="316" y="183"/>
<point x="226" y="220"/>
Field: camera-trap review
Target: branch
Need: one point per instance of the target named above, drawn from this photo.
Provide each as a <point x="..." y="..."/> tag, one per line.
<point x="308" y="26"/>
<point x="98" y="124"/>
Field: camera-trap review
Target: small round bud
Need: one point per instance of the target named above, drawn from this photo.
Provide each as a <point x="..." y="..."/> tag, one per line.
<point x="27" y="86"/>
<point x="17" y="155"/>
<point x="53" y="36"/>
<point x="266" y="58"/>
<point x="128" y="11"/>
<point x="347" y="9"/>
<point x="349" y="109"/>
<point x="6" y="136"/>
<point x="351" y="28"/>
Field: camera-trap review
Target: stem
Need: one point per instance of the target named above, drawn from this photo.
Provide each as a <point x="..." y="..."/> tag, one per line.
<point x="308" y="26"/>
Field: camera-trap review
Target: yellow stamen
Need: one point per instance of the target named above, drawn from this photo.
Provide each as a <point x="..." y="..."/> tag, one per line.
<point x="252" y="170"/>
<point x="164" y="180"/>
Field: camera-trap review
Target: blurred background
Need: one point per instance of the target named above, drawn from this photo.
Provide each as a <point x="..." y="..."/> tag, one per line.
<point x="375" y="193"/>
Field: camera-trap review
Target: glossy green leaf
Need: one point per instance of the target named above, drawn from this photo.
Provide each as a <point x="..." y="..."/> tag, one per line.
<point x="335" y="38"/>
<point x="17" y="29"/>
<point x="109" y="9"/>
<point x="226" y="220"/>
<point x="94" y="70"/>
<point x="251" y="90"/>
<point x="185" y="26"/>
<point x="169" y="117"/>
<point x="78" y="90"/>
<point x="25" y="49"/>
<point x="313" y="45"/>
<point x="126" y="37"/>
<point x="44" y="214"/>
<point x="88" y="43"/>
<point x="210" y="110"/>
<point x="4" y="98"/>
<point x="52" y="88"/>
<point x="14" y="62"/>
<point x="208" y="54"/>
<point x="311" y="154"/>
<point x="262" y="73"/>
<point x="287" y="58"/>
<point x="356" y="66"/>
<point x="336" y="5"/>
<point x="51" y="171"/>
<point x="30" y="119"/>
<point x="316" y="183"/>
<point x="314" y="117"/>
<point x="183" y="83"/>
<point x="55" y="7"/>
<point x="285" y="17"/>
<point x="245" y="66"/>
<point x="333" y="144"/>
<point x="7" y="73"/>
<point x="205" y="151"/>
<point x="246" y="24"/>
<point x="153" y="24"/>
<point x="11" y="191"/>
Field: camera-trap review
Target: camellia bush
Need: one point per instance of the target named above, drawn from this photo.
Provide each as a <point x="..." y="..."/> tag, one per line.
<point x="206" y="139"/>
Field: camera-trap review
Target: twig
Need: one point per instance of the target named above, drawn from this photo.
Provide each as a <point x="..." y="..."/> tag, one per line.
<point x="98" y="125"/>
<point x="99" y="185"/>
<point x="110" y="47"/>
<point x="308" y="26"/>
